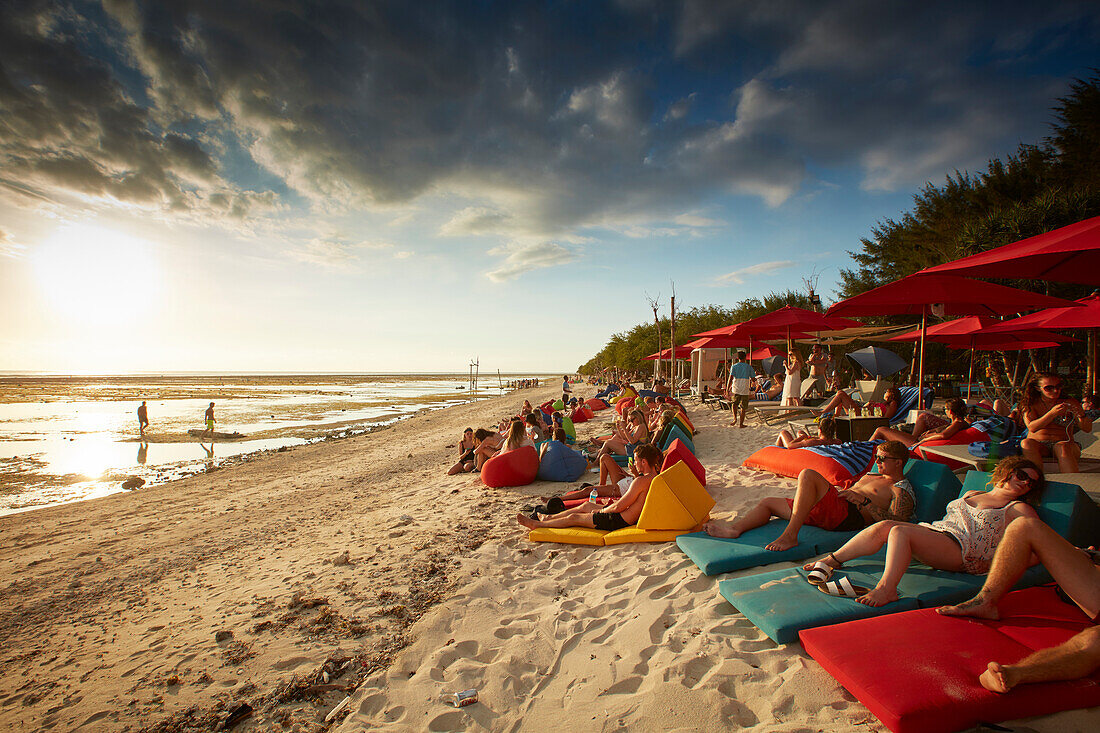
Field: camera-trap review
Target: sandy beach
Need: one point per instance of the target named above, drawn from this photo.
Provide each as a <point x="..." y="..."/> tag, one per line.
<point x="357" y="565"/>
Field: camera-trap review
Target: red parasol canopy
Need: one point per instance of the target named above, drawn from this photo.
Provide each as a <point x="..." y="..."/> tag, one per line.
<point x="1070" y="254"/>
<point x="766" y="352"/>
<point x="1086" y="315"/>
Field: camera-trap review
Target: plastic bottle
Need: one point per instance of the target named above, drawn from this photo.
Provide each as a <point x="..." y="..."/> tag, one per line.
<point x="594" y="494"/>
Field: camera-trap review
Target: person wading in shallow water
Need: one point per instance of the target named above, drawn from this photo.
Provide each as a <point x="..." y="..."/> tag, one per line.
<point x="210" y="420"/>
<point x="143" y="418"/>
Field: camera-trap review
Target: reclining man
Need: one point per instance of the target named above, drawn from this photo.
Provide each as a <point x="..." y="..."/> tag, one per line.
<point x="621" y="513"/>
<point x="1077" y="575"/>
<point x="885" y="495"/>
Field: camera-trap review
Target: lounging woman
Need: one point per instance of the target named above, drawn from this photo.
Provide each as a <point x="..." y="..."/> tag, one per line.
<point x="792" y="385"/>
<point x="826" y="435"/>
<point x="466" y="459"/>
<point x="1051" y="421"/>
<point x="963" y="541"/>
<point x="535" y="431"/>
<point x="626" y="436"/>
<point x="488" y="445"/>
<point x="517" y="437"/>
<point x="926" y="430"/>
<point x="843" y="403"/>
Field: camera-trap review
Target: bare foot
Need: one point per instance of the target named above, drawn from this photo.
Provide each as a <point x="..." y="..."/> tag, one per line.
<point x="781" y="543"/>
<point x="976" y="607"/>
<point x="993" y="679"/>
<point x="877" y="597"/>
<point x="527" y="522"/>
<point x="718" y="528"/>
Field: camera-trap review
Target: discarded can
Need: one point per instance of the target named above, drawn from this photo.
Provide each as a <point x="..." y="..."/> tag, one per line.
<point x="462" y="699"/>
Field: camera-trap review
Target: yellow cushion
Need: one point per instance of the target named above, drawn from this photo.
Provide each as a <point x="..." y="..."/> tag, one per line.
<point x="568" y="535"/>
<point x="676" y="500"/>
<point x="633" y="534"/>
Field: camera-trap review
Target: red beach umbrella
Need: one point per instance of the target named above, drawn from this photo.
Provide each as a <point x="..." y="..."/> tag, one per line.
<point x="945" y="295"/>
<point x="1070" y="254"/>
<point x="766" y="352"/>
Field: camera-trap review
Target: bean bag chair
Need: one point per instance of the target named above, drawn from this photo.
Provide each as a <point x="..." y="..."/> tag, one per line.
<point x="597" y="404"/>
<point x="687" y="421"/>
<point x="558" y="405"/>
<point x="841" y="464"/>
<point x="679" y="422"/>
<point x="518" y="467"/>
<point x="782" y="603"/>
<point x="624" y="406"/>
<point x="676" y="503"/>
<point x="994" y="428"/>
<point x="561" y="463"/>
<point x="928" y="680"/>
<point x="569" y="428"/>
<point x="933" y="485"/>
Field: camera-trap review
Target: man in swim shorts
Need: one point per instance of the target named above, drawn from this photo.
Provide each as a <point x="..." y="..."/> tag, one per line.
<point x="143" y="418"/>
<point x="209" y="417"/>
<point x="1076" y="572"/>
<point x="621" y="513"/>
<point x="885" y="495"/>
<point x="741" y="387"/>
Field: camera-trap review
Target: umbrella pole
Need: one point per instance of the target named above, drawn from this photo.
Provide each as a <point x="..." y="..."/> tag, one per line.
<point x="970" y="374"/>
<point x="920" y="374"/>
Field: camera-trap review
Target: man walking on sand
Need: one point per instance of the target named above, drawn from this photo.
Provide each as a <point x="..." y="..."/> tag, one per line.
<point x="1077" y="575"/>
<point x="741" y="379"/>
<point x="143" y="418"/>
<point x="209" y="420"/>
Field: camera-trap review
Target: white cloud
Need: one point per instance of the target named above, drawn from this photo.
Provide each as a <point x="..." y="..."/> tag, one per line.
<point x="403" y="255"/>
<point x="476" y="220"/>
<point x="8" y="246"/>
<point x="521" y="258"/>
<point x="738" y="277"/>
<point x="335" y="251"/>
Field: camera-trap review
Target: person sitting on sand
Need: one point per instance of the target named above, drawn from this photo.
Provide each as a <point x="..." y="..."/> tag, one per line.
<point x="927" y="429"/>
<point x="466" y="458"/>
<point x="826" y="435"/>
<point x="1051" y="421"/>
<point x="884" y="495"/>
<point x="626" y="436"/>
<point x="621" y="513"/>
<point x="488" y="445"/>
<point x="563" y="422"/>
<point x="963" y="541"/>
<point x="1078" y="577"/>
<point x="843" y="403"/>
<point x="535" y="432"/>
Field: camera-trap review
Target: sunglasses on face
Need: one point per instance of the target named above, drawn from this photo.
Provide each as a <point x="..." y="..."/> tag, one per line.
<point x="1025" y="477"/>
<point x="883" y="459"/>
<point x="1052" y="387"/>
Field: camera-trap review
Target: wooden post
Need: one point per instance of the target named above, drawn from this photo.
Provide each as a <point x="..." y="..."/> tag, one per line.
<point x="672" y="338"/>
<point x="923" y="330"/>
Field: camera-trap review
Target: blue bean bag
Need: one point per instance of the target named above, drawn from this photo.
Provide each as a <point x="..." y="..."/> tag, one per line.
<point x="561" y="463"/>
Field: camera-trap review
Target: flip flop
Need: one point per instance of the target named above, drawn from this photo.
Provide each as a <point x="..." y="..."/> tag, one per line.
<point x="821" y="571"/>
<point x="843" y="588"/>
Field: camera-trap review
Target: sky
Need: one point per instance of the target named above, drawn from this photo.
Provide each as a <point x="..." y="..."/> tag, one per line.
<point x="393" y="186"/>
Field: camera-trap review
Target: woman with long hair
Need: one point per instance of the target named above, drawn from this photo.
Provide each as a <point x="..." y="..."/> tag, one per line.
<point x="1051" y="419"/>
<point x="963" y="541"/>
<point x="792" y="385"/>
<point x="626" y="436"/>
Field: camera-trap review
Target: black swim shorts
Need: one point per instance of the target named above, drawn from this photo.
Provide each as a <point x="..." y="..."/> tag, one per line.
<point x="609" y="521"/>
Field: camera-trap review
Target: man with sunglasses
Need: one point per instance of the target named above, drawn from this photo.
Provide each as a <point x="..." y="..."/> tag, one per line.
<point x="877" y="496"/>
<point x="1051" y="420"/>
<point x="1078" y="578"/>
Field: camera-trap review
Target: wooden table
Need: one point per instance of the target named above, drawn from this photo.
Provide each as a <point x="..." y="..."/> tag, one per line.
<point x="851" y="427"/>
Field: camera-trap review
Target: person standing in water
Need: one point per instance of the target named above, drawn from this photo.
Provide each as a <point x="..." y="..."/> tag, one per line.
<point x="143" y="418"/>
<point x="210" y="419"/>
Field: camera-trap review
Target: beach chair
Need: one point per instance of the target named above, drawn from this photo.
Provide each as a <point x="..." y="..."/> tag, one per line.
<point x="782" y="603"/>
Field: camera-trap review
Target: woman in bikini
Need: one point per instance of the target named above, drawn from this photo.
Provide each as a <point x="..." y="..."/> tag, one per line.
<point x="488" y="445"/>
<point x="517" y="437"/>
<point x="826" y="435"/>
<point x="1051" y="420"/>
<point x="843" y="403"/>
<point x="925" y="430"/>
<point x="963" y="541"/>
<point x="626" y="436"/>
<point x="466" y="460"/>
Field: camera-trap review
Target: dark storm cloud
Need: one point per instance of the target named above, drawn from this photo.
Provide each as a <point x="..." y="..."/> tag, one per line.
<point x="531" y="120"/>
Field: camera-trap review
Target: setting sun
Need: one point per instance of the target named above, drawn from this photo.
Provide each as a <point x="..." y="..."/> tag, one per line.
<point x="95" y="276"/>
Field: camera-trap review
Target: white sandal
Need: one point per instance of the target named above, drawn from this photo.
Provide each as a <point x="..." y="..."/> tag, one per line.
<point x="821" y="571"/>
<point x="843" y="588"/>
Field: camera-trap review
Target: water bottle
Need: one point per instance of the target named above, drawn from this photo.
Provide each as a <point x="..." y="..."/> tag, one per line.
<point x="594" y="494"/>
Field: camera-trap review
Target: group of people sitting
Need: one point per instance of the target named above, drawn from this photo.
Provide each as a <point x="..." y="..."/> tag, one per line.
<point x="528" y="428"/>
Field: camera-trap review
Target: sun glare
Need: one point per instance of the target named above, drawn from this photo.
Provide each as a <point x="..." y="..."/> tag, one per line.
<point x="96" y="277"/>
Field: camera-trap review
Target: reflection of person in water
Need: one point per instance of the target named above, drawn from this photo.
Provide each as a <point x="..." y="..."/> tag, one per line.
<point x="143" y="452"/>
<point x="143" y="418"/>
<point x="209" y="453"/>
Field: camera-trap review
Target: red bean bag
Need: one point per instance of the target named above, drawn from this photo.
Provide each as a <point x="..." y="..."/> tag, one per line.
<point x="677" y="452"/>
<point x="517" y="467"/>
<point x="841" y="465"/>
<point x="917" y="671"/>
<point x="963" y="437"/>
<point x="623" y="406"/>
<point x="596" y="404"/>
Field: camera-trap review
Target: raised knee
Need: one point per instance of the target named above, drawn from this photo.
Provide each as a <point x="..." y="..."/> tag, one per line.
<point x="808" y="474"/>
